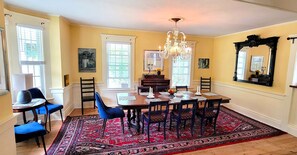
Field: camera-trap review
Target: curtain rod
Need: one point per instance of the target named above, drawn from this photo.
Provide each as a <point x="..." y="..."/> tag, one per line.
<point x="292" y="38"/>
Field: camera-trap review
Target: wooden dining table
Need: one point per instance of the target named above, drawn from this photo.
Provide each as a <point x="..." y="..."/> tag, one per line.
<point x="129" y="101"/>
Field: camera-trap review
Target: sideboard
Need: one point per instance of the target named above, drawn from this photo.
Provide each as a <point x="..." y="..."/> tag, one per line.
<point x="153" y="80"/>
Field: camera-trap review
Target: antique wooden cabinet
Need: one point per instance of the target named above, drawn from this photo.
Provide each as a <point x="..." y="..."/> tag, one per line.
<point x="153" y="80"/>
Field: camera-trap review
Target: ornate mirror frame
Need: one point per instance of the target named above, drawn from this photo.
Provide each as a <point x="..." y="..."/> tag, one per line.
<point x="255" y="41"/>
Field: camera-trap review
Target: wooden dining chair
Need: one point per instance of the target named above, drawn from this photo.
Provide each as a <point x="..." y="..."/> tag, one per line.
<point x="87" y="90"/>
<point x="205" y="84"/>
<point x="179" y="88"/>
<point x="142" y="89"/>
<point x="157" y="113"/>
<point x="186" y="110"/>
<point x="162" y="88"/>
<point x="208" y="112"/>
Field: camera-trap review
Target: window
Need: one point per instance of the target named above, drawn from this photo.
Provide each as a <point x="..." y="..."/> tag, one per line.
<point x="117" y="61"/>
<point x="241" y="65"/>
<point x="30" y="48"/>
<point x="118" y="65"/>
<point x="181" y="72"/>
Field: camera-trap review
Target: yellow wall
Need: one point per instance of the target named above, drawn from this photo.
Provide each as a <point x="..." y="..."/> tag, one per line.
<point x="65" y="47"/>
<point x="55" y="50"/>
<point x="224" y="56"/>
<point x="89" y="37"/>
<point x="5" y="100"/>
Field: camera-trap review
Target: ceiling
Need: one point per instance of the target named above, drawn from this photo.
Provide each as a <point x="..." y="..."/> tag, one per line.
<point x="201" y="17"/>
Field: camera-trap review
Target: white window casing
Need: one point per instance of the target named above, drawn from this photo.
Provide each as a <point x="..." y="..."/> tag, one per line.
<point x="119" y="40"/>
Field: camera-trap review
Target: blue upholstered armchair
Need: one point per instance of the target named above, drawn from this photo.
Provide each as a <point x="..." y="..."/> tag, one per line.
<point x="108" y="112"/>
<point x="48" y="108"/>
<point x="30" y="130"/>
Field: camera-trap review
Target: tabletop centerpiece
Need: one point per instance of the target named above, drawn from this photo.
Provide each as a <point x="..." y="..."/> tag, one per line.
<point x="171" y="91"/>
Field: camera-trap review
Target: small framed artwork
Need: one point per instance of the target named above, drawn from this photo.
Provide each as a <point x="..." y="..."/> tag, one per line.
<point x="87" y="59"/>
<point x="203" y="63"/>
<point x="152" y="60"/>
<point x="66" y="80"/>
<point x="256" y="63"/>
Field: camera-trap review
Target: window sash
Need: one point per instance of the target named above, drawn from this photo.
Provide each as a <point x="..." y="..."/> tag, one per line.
<point x="118" y="64"/>
<point x="31" y="56"/>
<point x="181" y="72"/>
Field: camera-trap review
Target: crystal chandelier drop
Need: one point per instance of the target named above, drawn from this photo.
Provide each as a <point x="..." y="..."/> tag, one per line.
<point x="176" y="45"/>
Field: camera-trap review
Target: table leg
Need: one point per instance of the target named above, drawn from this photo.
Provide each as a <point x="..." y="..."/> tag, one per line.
<point x="138" y="113"/>
<point x="35" y="115"/>
<point x="24" y="117"/>
<point x="129" y="118"/>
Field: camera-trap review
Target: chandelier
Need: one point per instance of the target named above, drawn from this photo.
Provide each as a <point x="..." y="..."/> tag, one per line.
<point x="176" y="45"/>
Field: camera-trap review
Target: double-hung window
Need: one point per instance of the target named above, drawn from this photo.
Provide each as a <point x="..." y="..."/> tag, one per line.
<point x="30" y="49"/>
<point x="181" y="72"/>
<point x="118" y="65"/>
<point x="118" y="61"/>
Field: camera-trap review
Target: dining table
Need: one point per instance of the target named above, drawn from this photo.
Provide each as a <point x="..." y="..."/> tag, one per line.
<point x="133" y="100"/>
<point x="31" y="106"/>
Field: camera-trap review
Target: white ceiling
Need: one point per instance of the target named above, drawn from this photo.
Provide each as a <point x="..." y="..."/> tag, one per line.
<point x="201" y="17"/>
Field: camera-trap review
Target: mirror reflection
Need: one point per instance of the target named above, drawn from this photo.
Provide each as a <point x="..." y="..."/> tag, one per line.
<point x="255" y="59"/>
<point x="253" y="64"/>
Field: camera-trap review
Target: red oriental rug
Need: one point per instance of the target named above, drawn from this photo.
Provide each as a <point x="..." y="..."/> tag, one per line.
<point x="80" y="135"/>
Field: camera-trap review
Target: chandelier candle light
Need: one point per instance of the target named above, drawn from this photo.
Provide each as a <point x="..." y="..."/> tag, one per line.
<point x="175" y="47"/>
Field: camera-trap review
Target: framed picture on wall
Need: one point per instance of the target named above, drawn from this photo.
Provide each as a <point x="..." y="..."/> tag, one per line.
<point x="87" y="59"/>
<point x="256" y="63"/>
<point x="203" y="63"/>
<point x="152" y="60"/>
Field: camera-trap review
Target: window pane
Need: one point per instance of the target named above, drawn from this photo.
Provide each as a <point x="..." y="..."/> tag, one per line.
<point x="119" y="55"/>
<point x="30" y="48"/>
<point x="181" y="72"/>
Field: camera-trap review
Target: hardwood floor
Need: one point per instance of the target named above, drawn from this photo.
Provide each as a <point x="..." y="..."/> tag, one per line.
<point x="281" y="145"/>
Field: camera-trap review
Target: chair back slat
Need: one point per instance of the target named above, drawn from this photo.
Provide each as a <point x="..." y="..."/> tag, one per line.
<point x="87" y="87"/>
<point x="158" y="107"/>
<point x="142" y="89"/>
<point x="87" y="91"/>
<point x="205" y="84"/>
<point x="178" y="88"/>
<point x="213" y="106"/>
<point x="187" y="105"/>
<point x="161" y="88"/>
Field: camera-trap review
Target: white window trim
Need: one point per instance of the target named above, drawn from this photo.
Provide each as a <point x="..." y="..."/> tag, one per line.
<point x="117" y="38"/>
<point x="28" y="21"/>
<point x="191" y="44"/>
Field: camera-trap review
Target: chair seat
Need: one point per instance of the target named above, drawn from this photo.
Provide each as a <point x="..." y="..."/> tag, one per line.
<point x="114" y="113"/>
<point x="155" y="116"/>
<point x="88" y="98"/>
<point x="51" y="108"/>
<point x="28" y="131"/>
<point x="207" y="113"/>
<point x="185" y="114"/>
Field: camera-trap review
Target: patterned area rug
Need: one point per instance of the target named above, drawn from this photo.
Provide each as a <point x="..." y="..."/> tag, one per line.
<point x="80" y="135"/>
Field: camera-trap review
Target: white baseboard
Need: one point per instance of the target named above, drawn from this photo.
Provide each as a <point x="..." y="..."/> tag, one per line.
<point x="292" y="129"/>
<point x="255" y="115"/>
<point x="263" y="106"/>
